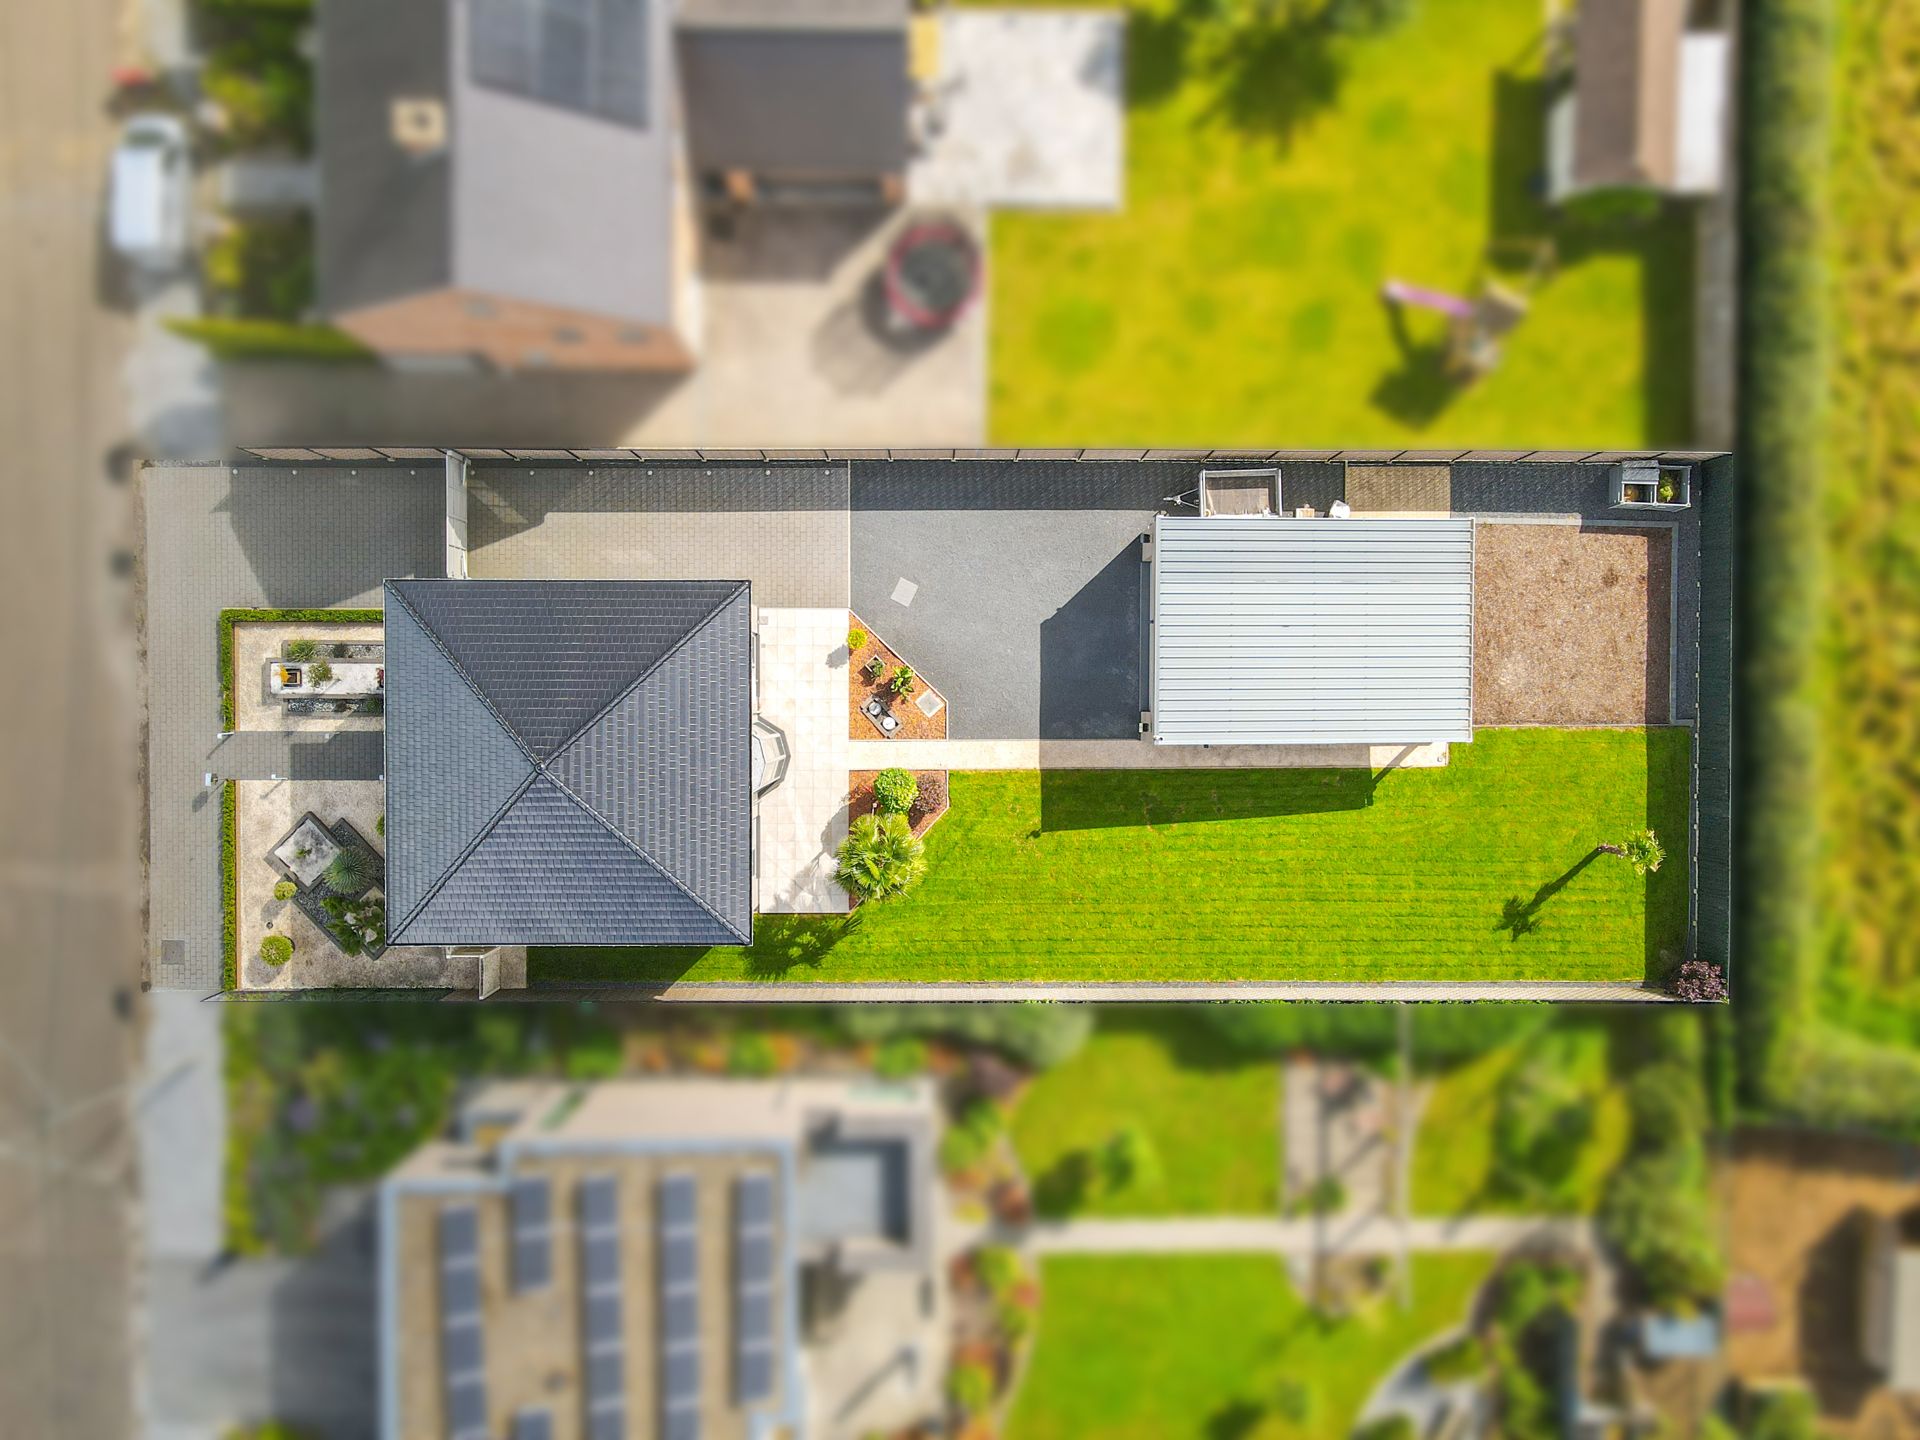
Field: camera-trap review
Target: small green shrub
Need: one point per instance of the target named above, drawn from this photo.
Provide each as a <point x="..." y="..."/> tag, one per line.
<point x="969" y="1139"/>
<point x="285" y="890"/>
<point x="380" y="825"/>
<point x="999" y="1269"/>
<point x="276" y="950"/>
<point x="1461" y="1359"/>
<point x="880" y="857"/>
<point x="752" y="1054"/>
<point x="1015" y="1321"/>
<point x="319" y="672"/>
<point x="1327" y="1196"/>
<point x="875" y="667"/>
<point x="302" y="650"/>
<point x="895" y="790"/>
<point x="903" y="682"/>
<point x="856" y="640"/>
<point x="1130" y="1160"/>
<point x="971" y="1387"/>
<point x="900" y="1057"/>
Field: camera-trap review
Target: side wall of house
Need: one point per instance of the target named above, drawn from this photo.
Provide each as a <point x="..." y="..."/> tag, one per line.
<point x="513" y="334"/>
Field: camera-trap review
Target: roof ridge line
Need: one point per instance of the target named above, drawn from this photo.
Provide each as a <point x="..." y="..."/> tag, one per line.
<point x="641" y="850"/>
<point x="395" y="933"/>
<point x="467" y="679"/>
<point x="605" y="710"/>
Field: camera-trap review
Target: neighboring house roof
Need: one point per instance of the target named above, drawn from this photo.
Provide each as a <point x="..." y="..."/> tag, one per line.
<point x="554" y="185"/>
<point x="827" y="101"/>
<point x="384" y="226"/>
<point x="568" y="762"/>
<point x="1273" y="630"/>
<point x="1627" y="87"/>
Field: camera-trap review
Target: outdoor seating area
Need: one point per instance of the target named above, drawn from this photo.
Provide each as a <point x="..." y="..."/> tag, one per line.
<point x="887" y="698"/>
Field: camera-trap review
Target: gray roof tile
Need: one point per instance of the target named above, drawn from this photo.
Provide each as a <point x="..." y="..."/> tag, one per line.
<point x="569" y="762"/>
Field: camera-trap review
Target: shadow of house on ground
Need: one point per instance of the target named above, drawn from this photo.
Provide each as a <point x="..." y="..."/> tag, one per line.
<point x="1091" y="656"/>
<point x="1115" y="799"/>
<point x="335" y="537"/>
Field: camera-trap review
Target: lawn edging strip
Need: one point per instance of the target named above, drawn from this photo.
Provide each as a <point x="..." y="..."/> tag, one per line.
<point x="229" y="891"/>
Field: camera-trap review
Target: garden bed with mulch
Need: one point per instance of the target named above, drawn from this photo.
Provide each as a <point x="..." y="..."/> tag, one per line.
<point x="928" y="806"/>
<point x="1571" y="625"/>
<point x="862" y="686"/>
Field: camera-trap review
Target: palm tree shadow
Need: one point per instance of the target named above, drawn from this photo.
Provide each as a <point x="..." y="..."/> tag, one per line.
<point x="1522" y="917"/>
<point x="783" y="942"/>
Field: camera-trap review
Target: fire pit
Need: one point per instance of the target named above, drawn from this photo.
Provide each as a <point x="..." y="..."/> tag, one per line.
<point x="932" y="275"/>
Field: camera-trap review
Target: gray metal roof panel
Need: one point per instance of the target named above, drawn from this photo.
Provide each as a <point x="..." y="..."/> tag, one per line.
<point x="436" y="727"/>
<point x="1272" y="630"/>
<point x="793" y="102"/>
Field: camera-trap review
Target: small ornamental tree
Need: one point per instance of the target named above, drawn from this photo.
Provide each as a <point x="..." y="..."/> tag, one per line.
<point x="1642" y="850"/>
<point x="880" y="857"/>
<point x="894" y="791"/>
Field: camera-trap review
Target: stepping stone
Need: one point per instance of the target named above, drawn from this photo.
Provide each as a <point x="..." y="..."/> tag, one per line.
<point x="904" y="592"/>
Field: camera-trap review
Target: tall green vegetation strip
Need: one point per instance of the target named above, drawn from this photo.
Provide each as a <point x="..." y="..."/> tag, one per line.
<point x="1783" y="384"/>
<point x="231" y="618"/>
<point x="1801" y="698"/>
<point x="229" y="893"/>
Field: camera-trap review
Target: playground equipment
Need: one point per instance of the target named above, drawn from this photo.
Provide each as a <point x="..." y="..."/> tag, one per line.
<point x="1476" y="326"/>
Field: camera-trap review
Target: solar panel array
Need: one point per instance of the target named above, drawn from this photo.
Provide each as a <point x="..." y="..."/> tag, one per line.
<point x="532" y="1204"/>
<point x="535" y="1423"/>
<point x="753" y="1289"/>
<point x="677" y="1234"/>
<point x="601" y="1292"/>
<point x="585" y="55"/>
<point x="462" y="1363"/>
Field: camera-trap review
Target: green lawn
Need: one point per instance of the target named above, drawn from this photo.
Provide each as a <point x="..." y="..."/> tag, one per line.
<point x="1195" y="1346"/>
<point x="1481" y="870"/>
<point x="1213" y="1120"/>
<point x="1234" y="300"/>
<point x="1454" y="1152"/>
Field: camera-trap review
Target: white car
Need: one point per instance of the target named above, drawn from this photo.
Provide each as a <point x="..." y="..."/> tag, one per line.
<point x="149" y="195"/>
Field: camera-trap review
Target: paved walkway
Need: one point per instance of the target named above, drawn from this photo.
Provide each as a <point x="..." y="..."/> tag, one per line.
<point x="1135" y="755"/>
<point x="299" y="755"/>
<point x="1305" y="1239"/>
<point x="803" y="690"/>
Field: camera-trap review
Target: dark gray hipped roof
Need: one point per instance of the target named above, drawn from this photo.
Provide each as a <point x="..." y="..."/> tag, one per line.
<point x="822" y="102"/>
<point x="568" y="762"/>
<point x="384" y="224"/>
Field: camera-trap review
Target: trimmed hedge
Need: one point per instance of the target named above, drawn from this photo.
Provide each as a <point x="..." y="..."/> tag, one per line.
<point x="231" y="618"/>
<point x="229" y="893"/>
<point x="232" y="337"/>
<point x="1783" y="388"/>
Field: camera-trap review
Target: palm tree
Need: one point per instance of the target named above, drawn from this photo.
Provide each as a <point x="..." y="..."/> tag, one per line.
<point x="880" y="857"/>
<point x="351" y="871"/>
<point x="1642" y="850"/>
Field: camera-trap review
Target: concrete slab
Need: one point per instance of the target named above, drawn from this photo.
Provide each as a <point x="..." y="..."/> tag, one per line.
<point x="1027" y="612"/>
<point x="783" y="528"/>
<point x="1028" y="109"/>
<point x="803" y="690"/>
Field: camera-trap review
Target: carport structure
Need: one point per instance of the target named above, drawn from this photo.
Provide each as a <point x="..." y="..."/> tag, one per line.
<point x="1276" y="631"/>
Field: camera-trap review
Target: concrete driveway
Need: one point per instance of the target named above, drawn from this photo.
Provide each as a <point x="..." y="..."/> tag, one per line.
<point x="1024" y="598"/>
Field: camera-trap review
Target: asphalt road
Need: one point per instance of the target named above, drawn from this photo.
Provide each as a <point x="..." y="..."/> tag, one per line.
<point x="69" y="725"/>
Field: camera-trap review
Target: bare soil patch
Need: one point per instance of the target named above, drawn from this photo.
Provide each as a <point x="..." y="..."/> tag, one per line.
<point x="1572" y="625"/>
<point x="1793" y="1198"/>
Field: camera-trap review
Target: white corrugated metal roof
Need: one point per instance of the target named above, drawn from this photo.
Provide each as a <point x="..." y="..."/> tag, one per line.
<point x="1279" y="631"/>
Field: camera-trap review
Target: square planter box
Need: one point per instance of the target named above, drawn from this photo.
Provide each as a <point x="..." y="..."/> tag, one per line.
<point x="1642" y="487"/>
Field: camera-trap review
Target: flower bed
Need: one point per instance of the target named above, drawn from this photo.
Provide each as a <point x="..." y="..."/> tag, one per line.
<point x="928" y="806"/>
<point x="862" y="686"/>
